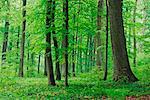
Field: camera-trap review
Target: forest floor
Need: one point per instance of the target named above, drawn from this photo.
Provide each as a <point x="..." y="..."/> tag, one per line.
<point x="84" y="86"/>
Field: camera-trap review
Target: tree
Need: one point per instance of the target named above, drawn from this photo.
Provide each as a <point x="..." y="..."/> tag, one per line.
<point x="98" y="34"/>
<point x="22" y="39"/>
<point x="66" y="32"/>
<point x="122" y="70"/>
<point x="39" y="60"/>
<point x="58" y="74"/>
<point x="73" y="51"/>
<point x="45" y="66"/>
<point x="49" y="64"/>
<point x="105" y="70"/>
<point x="6" y="32"/>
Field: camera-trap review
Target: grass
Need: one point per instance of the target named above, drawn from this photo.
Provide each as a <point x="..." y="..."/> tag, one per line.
<point x="87" y="85"/>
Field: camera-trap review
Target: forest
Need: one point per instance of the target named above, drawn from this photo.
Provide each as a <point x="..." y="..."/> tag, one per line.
<point x="75" y="49"/>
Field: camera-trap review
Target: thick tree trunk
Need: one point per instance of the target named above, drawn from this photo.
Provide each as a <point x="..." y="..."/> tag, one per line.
<point x="58" y="74"/>
<point x="122" y="70"/>
<point x="23" y="39"/>
<point x="51" y="80"/>
<point x="98" y="34"/>
<point x="66" y="44"/>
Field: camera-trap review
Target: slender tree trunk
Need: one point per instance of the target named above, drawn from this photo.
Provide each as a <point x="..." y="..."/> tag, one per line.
<point x="65" y="27"/>
<point x="58" y="74"/>
<point x="45" y="66"/>
<point x="122" y="70"/>
<point x="17" y="54"/>
<point x="18" y="42"/>
<point x="105" y="69"/>
<point x="98" y="34"/>
<point x="51" y="80"/>
<point x="73" y="51"/>
<point x="87" y="54"/>
<point x="32" y="58"/>
<point x="134" y="35"/>
<point x="5" y="39"/>
<point x="91" y="39"/>
<point x="5" y="42"/>
<point x="28" y="56"/>
<point x="23" y="39"/>
<point x="39" y="60"/>
<point x="78" y="39"/>
<point x="90" y="51"/>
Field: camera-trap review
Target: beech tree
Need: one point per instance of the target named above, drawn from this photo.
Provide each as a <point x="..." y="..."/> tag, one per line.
<point x="57" y="64"/>
<point x="49" y="63"/>
<point x="122" y="70"/>
<point x="6" y="34"/>
<point x="22" y="38"/>
<point x="98" y="34"/>
<point x="66" y="32"/>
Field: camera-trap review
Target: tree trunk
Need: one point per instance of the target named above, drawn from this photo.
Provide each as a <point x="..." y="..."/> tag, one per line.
<point x="17" y="54"/>
<point x="39" y="60"/>
<point x="87" y="54"/>
<point x="66" y="44"/>
<point x="5" y="42"/>
<point x="5" y="39"/>
<point x="98" y="34"/>
<point x="58" y="74"/>
<point x="28" y="56"/>
<point x="122" y="70"/>
<point x="51" y="80"/>
<point x="73" y="51"/>
<point x="23" y="39"/>
<point x="45" y="67"/>
<point x="105" y="69"/>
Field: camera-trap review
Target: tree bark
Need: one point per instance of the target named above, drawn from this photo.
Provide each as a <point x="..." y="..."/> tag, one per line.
<point x="98" y="34"/>
<point x="122" y="70"/>
<point x="73" y="51"/>
<point x="45" y="66"/>
<point x="39" y="60"/>
<point x="5" y="39"/>
<point x="106" y="65"/>
<point x="17" y="54"/>
<point x="5" y="42"/>
<point x="58" y="74"/>
<point x="51" y="80"/>
<point x="66" y="44"/>
<point x="23" y="39"/>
